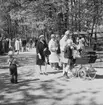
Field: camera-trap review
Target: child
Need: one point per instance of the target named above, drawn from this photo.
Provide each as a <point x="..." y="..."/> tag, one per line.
<point x="68" y="53"/>
<point x="12" y="67"/>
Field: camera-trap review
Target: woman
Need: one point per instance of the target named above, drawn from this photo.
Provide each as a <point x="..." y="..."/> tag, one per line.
<point x="40" y="49"/>
<point x="17" y="45"/>
<point x="53" y="47"/>
<point x="63" y="43"/>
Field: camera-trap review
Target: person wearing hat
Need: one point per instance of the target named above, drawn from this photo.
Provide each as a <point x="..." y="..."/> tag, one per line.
<point x="41" y="47"/>
<point x="12" y="67"/>
<point x="53" y="47"/>
<point x="17" y="45"/>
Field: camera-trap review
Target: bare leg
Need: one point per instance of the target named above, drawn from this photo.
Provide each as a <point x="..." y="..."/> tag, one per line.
<point x="45" y="65"/>
<point x="41" y="72"/>
<point x="64" y="67"/>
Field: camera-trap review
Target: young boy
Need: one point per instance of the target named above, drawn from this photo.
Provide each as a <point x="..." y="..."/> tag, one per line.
<point x="12" y="67"/>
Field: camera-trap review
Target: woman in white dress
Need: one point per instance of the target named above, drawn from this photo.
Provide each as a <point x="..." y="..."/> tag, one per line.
<point x="17" y="46"/>
<point x="53" y="58"/>
<point x="63" y="43"/>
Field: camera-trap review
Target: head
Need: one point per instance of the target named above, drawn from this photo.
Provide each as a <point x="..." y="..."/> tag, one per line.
<point x="53" y="37"/>
<point x="41" y="37"/>
<point x="80" y="37"/>
<point x="67" y="32"/>
<point x="57" y="37"/>
<point x="70" y="36"/>
<point x="10" y="54"/>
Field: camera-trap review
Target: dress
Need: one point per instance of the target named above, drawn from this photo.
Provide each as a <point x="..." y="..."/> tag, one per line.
<point x="17" y="45"/>
<point x="63" y="43"/>
<point x="41" y="45"/>
<point x="53" y="58"/>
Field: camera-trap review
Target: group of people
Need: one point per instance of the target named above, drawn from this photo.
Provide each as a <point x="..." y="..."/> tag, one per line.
<point x="4" y="45"/>
<point x="16" y="44"/>
<point x="59" y="53"/>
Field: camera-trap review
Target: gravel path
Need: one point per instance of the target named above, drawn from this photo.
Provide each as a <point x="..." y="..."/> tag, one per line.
<point x="51" y="89"/>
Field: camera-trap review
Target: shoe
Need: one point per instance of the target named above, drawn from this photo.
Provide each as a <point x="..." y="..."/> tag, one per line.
<point x="12" y="80"/>
<point x="45" y="73"/>
<point x="41" y="73"/>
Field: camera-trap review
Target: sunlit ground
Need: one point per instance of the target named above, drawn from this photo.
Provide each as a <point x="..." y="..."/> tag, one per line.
<point x="51" y="89"/>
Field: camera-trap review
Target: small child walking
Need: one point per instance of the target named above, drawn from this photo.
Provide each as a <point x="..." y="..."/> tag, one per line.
<point x="13" y="67"/>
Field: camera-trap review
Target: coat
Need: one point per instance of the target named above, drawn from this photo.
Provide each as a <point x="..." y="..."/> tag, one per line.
<point x="53" y="58"/>
<point x="63" y="43"/>
<point x="41" y="45"/>
<point x="17" y="45"/>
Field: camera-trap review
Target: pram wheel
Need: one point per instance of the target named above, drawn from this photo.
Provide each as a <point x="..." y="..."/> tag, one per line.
<point x="92" y="73"/>
<point x="75" y="72"/>
<point x="82" y="73"/>
<point x="69" y="74"/>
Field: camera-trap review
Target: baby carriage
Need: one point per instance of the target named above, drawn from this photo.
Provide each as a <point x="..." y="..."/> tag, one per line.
<point x="83" y="66"/>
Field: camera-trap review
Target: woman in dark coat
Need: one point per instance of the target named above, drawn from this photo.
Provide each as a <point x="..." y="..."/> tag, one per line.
<point x="41" y="47"/>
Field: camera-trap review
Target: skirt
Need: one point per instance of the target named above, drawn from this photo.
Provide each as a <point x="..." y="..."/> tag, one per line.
<point x="54" y="57"/>
<point x="62" y="59"/>
<point x="40" y="61"/>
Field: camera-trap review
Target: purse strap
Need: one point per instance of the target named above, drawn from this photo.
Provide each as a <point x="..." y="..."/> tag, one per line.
<point x="11" y="61"/>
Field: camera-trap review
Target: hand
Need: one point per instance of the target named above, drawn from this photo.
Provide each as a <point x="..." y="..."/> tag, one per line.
<point x="45" y="49"/>
<point x="56" y="49"/>
<point x="39" y="56"/>
<point x="72" y="47"/>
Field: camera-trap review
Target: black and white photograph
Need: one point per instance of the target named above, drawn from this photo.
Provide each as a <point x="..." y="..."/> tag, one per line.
<point x="51" y="52"/>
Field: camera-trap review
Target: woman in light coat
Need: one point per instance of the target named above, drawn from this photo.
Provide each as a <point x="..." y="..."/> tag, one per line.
<point x="17" y="46"/>
<point x="53" y="47"/>
<point x="63" y="43"/>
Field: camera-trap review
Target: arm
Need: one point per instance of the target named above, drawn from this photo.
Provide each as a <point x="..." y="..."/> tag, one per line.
<point x="8" y="62"/>
<point x="37" y="48"/>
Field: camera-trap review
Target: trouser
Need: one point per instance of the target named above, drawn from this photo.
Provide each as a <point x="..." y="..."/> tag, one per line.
<point x="14" y="75"/>
<point x="14" y="79"/>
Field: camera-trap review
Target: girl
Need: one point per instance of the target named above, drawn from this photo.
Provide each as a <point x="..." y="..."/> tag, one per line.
<point x="13" y="67"/>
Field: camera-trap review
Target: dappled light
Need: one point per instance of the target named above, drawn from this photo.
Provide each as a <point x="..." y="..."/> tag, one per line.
<point x="49" y="92"/>
<point x="51" y="89"/>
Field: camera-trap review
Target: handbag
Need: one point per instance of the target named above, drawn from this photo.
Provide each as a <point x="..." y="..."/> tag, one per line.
<point x="47" y="52"/>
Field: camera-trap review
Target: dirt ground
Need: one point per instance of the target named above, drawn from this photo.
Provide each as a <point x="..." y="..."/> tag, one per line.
<point x="51" y="89"/>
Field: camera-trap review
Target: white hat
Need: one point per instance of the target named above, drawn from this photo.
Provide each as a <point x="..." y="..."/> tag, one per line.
<point x="67" y="32"/>
<point x="10" y="53"/>
<point x="41" y="36"/>
<point x="52" y="36"/>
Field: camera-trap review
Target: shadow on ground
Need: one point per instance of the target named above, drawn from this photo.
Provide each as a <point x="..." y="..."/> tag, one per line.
<point x="49" y="92"/>
<point x="55" y="91"/>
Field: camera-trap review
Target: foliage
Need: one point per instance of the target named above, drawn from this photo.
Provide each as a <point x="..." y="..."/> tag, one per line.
<point x="33" y="17"/>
